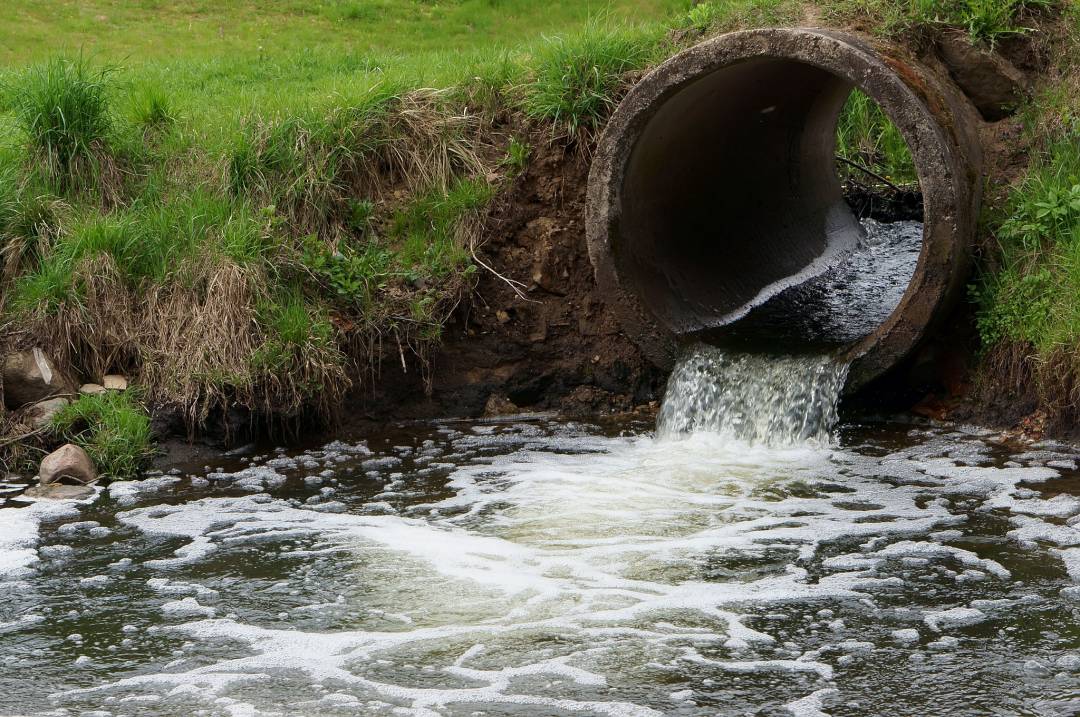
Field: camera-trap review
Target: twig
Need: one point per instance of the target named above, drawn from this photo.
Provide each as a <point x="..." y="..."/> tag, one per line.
<point x="24" y="436"/>
<point x="873" y="174"/>
<point x="514" y="284"/>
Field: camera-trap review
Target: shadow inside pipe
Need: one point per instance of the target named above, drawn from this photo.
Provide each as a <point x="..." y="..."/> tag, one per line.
<point x="855" y="290"/>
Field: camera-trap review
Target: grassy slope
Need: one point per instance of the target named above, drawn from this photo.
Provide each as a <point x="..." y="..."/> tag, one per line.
<point x="244" y="202"/>
<point x="1028" y="294"/>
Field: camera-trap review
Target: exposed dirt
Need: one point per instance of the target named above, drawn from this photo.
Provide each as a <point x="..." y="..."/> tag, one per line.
<point x="551" y="344"/>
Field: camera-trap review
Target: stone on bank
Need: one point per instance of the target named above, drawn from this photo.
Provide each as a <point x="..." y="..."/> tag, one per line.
<point x="67" y="462"/>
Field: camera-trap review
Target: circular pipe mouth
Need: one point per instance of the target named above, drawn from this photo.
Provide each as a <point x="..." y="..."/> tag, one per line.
<point x="714" y="189"/>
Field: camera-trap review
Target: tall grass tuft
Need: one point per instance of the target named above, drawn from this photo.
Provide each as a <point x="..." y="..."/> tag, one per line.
<point x="867" y="137"/>
<point x="113" y="429"/>
<point x="63" y="107"/>
<point x="577" y="79"/>
<point x="30" y="219"/>
<point x="299" y="363"/>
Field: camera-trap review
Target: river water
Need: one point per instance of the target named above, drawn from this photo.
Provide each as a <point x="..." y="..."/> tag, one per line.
<point x="532" y="566"/>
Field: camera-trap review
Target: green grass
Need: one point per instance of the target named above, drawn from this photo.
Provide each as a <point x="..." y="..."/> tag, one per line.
<point x="113" y="429"/>
<point x="865" y="136"/>
<point x="1032" y="298"/>
<point x="63" y="110"/>
<point x="576" y="77"/>
<point x="985" y="21"/>
<point x="155" y="29"/>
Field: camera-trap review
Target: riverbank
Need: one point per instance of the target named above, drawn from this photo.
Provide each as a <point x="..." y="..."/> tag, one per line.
<point x="273" y="245"/>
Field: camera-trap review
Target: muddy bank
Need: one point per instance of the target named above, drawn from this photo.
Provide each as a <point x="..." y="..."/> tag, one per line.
<point x="537" y="335"/>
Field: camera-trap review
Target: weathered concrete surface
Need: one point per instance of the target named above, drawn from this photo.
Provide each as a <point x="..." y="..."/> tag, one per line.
<point x="714" y="184"/>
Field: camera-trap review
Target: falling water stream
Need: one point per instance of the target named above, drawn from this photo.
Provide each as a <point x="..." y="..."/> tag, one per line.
<point x="748" y="557"/>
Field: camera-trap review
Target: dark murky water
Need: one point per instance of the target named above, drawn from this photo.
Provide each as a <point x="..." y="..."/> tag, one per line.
<point x="844" y="303"/>
<point x="547" y="568"/>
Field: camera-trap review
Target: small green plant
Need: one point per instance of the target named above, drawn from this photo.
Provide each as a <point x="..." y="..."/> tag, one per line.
<point x="517" y="156"/>
<point x="63" y="108"/>
<point x="361" y="214"/>
<point x="354" y="275"/>
<point x="113" y="428"/>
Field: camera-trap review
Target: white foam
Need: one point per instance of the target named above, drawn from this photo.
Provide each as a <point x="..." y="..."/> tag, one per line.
<point x="955" y="617"/>
<point x="553" y="562"/>
<point x="131" y="492"/>
<point x="19" y="533"/>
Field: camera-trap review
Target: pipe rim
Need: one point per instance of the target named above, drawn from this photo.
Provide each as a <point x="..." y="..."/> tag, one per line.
<point x="909" y="96"/>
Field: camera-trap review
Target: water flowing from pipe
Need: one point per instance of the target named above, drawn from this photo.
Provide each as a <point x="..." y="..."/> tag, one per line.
<point x="754" y="398"/>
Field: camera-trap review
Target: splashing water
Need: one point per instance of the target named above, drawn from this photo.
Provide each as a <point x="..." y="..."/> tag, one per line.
<point x="752" y="398"/>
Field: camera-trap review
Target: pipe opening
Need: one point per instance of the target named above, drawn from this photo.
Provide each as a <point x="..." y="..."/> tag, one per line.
<point x="738" y="226"/>
<point x="723" y="208"/>
<point x="849" y="294"/>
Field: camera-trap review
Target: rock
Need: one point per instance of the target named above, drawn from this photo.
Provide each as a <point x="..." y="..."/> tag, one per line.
<point x="67" y="462"/>
<point x="59" y="491"/>
<point x="41" y="413"/>
<point x="499" y="405"/>
<point x="31" y="376"/>
<point x="91" y="389"/>
<point x="990" y="81"/>
<point x="114" y="382"/>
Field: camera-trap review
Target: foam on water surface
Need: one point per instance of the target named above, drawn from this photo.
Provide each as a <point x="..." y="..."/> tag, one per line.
<point x="522" y="569"/>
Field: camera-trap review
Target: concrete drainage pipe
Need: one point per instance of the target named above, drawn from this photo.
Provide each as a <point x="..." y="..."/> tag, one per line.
<point x="715" y="180"/>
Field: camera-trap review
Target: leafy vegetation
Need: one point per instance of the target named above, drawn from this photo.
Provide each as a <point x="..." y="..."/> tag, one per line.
<point x="113" y="429"/>
<point x="1031" y="298"/>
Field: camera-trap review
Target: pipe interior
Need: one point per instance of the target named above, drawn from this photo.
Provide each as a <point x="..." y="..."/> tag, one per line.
<point x="731" y="197"/>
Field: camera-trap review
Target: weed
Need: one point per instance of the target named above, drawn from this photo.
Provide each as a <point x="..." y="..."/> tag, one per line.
<point x="113" y="429"/>
<point x="517" y="156"/>
<point x="354" y="276"/>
